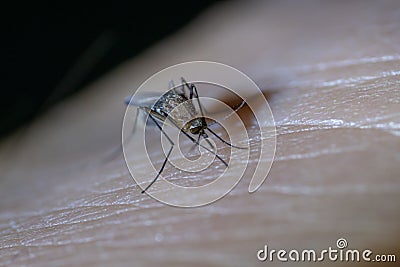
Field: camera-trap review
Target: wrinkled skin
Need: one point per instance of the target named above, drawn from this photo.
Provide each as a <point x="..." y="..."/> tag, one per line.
<point x="331" y="74"/>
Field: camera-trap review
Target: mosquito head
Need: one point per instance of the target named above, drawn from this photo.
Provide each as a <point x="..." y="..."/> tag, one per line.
<point x="197" y="126"/>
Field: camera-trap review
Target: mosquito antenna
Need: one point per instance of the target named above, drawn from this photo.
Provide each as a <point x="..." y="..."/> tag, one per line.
<point x="222" y="140"/>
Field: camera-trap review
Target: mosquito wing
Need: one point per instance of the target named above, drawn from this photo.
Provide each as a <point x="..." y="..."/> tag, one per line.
<point x="143" y="99"/>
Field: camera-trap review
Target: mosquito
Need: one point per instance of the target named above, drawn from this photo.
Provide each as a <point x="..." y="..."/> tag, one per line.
<point x="159" y="110"/>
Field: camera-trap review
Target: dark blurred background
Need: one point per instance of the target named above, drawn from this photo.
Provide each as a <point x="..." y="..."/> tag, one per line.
<point x="51" y="50"/>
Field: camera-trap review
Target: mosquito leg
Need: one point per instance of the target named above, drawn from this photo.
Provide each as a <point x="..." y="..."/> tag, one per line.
<point x="209" y="150"/>
<point x="193" y="92"/>
<point x="223" y="141"/>
<point x="194" y="145"/>
<point x="185" y="83"/>
<point x="171" y="87"/>
<point x="161" y="129"/>
<point x="169" y="152"/>
<point x="162" y="168"/>
<point x="208" y="142"/>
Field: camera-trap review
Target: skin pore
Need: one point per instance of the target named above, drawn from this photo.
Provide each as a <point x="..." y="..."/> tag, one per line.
<point x="330" y="72"/>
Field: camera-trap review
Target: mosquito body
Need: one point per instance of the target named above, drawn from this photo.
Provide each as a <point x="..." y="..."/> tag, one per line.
<point x="183" y="118"/>
<point x="176" y="107"/>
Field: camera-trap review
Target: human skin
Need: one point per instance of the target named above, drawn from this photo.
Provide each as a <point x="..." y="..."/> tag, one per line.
<point x="330" y="72"/>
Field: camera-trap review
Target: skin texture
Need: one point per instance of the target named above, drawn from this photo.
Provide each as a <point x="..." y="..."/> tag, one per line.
<point x="330" y="72"/>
